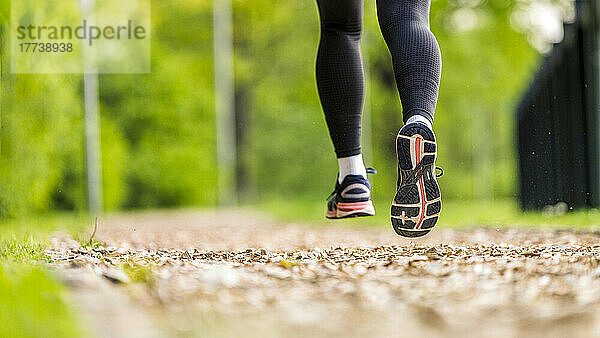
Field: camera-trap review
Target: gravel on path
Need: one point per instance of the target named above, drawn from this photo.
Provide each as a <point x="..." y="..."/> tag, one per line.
<point x="234" y="272"/>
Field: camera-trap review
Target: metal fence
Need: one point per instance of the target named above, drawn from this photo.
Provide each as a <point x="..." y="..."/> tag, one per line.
<point x="558" y="120"/>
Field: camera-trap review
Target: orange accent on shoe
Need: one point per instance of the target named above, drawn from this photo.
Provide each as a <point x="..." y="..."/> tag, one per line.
<point x="421" y="185"/>
<point x="352" y="204"/>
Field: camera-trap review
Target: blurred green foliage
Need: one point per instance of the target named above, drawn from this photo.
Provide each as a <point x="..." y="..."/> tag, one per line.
<point x="34" y="304"/>
<point x="158" y="134"/>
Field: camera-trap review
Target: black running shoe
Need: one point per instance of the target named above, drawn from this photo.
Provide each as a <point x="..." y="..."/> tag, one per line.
<point x="417" y="204"/>
<point x="352" y="198"/>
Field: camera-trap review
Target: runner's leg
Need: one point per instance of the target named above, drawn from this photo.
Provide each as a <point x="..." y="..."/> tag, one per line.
<point x="415" y="54"/>
<point x="339" y="69"/>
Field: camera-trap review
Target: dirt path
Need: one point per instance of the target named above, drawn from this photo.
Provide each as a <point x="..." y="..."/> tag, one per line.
<point x="237" y="273"/>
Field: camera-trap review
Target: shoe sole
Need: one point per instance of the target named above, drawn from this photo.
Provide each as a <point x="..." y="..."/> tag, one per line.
<point x="349" y="210"/>
<point x="416" y="207"/>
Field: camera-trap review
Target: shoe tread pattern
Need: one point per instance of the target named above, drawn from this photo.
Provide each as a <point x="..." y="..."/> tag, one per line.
<point x="407" y="202"/>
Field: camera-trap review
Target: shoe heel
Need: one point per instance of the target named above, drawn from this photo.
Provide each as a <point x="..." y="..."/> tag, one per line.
<point x="356" y="209"/>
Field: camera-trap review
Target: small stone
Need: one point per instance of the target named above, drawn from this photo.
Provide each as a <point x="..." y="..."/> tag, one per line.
<point x="116" y="276"/>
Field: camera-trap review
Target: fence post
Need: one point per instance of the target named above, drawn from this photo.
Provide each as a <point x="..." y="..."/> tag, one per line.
<point x="224" y="101"/>
<point x="92" y="143"/>
<point x="93" y="150"/>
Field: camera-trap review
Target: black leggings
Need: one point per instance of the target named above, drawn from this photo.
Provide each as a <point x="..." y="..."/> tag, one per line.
<point x="340" y="78"/>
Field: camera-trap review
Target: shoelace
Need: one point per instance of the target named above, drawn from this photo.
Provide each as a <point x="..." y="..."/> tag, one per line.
<point x="369" y="171"/>
<point x="441" y="172"/>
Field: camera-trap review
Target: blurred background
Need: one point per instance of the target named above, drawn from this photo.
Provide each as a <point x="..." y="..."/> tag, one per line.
<point x="229" y="118"/>
<point x="160" y="131"/>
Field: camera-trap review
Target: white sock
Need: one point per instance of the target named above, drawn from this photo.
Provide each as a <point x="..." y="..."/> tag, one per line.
<point x="352" y="165"/>
<point x="420" y="119"/>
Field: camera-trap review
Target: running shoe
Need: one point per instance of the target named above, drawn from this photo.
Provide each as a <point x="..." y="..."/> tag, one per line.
<point x="417" y="204"/>
<point x="351" y="198"/>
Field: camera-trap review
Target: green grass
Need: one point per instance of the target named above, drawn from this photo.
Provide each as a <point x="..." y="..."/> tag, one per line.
<point x="21" y="251"/>
<point x="39" y="228"/>
<point x="503" y="213"/>
<point x="33" y="303"/>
